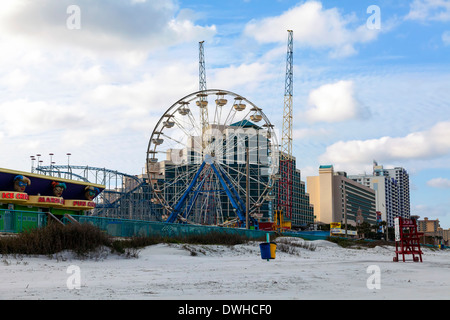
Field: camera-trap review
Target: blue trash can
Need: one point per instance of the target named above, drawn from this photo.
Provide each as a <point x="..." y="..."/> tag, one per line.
<point x="267" y="250"/>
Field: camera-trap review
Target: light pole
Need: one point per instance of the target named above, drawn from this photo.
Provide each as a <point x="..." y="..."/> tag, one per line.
<point x="38" y="161"/>
<point x="68" y="164"/>
<point x="32" y="163"/>
<point x="51" y="164"/>
<point x="247" y="191"/>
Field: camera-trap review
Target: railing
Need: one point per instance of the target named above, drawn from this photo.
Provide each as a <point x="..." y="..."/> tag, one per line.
<point x="129" y="228"/>
<point x="16" y="221"/>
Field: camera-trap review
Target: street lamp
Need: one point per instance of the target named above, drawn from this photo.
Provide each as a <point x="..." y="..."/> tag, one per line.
<point x="68" y="164"/>
<point x="32" y="163"/>
<point x="38" y="161"/>
<point x="51" y="164"/>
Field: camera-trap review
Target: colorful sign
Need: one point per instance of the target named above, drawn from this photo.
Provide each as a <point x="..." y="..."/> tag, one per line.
<point x="46" y="191"/>
<point x="342" y="231"/>
<point x="79" y="204"/>
<point x="46" y="201"/>
<point x="13" y="196"/>
<point x="335" y="225"/>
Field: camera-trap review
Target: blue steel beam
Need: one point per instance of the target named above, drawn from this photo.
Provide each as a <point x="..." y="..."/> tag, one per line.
<point x="239" y="211"/>
<point x="231" y="192"/>
<point x="177" y="210"/>
<point x="252" y="221"/>
<point x="194" y="198"/>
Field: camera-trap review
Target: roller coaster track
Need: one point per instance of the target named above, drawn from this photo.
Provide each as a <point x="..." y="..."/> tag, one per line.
<point x="125" y="196"/>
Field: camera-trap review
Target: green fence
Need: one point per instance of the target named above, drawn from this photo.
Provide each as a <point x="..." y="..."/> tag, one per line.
<point x="129" y="228"/>
<point x="16" y="221"/>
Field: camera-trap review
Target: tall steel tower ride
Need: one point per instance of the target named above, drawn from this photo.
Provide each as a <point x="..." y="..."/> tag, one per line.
<point x="285" y="191"/>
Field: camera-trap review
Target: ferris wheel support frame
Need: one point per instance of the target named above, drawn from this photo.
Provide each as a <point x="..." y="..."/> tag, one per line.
<point x="231" y="192"/>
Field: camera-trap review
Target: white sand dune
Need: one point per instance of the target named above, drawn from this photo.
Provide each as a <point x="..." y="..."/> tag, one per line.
<point x="210" y="272"/>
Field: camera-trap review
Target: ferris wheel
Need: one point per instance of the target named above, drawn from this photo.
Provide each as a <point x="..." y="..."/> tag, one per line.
<point x="212" y="158"/>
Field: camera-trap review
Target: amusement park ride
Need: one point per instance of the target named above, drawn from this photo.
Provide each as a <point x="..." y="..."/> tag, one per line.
<point x="210" y="169"/>
<point x="285" y="191"/>
<point x="125" y="196"/>
<point x="222" y="158"/>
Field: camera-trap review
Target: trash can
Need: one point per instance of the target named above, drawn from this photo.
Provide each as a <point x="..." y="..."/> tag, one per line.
<point x="265" y="250"/>
<point x="268" y="250"/>
<point x="273" y="249"/>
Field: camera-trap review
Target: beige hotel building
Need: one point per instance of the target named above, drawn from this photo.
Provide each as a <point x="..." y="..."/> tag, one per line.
<point x="337" y="198"/>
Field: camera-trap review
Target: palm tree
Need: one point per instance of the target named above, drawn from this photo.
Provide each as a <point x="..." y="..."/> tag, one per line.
<point x="364" y="228"/>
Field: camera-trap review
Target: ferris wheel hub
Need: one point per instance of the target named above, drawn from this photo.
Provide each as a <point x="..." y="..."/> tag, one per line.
<point x="209" y="159"/>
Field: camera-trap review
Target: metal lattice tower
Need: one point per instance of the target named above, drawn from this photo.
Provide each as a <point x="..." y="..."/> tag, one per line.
<point x="202" y="103"/>
<point x="201" y="69"/>
<point x="286" y="159"/>
<point x="286" y="139"/>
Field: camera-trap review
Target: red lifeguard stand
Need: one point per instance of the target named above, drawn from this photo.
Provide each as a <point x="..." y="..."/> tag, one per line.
<point x="407" y="239"/>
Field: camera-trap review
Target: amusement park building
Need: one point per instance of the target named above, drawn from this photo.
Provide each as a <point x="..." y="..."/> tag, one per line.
<point x="29" y="200"/>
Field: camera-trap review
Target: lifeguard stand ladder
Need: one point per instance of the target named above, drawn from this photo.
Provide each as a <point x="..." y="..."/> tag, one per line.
<point x="407" y="239"/>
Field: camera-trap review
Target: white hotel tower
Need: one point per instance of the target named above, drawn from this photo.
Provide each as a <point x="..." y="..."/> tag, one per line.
<point x="391" y="191"/>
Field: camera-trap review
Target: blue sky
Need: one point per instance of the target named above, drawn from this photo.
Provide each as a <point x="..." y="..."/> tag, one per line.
<point x="360" y="94"/>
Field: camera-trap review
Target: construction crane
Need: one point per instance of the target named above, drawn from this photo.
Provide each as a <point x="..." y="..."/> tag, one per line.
<point x="285" y="191"/>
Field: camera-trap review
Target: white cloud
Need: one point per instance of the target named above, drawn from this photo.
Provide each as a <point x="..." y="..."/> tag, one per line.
<point x="95" y="91"/>
<point x="446" y="38"/>
<point x="72" y="97"/>
<point x="433" y="211"/>
<point x="433" y="10"/>
<point x="427" y="144"/>
<point x="439" y="183"/>
<point x="314" y="27"/>
<point x="106" y="27"/>
<point x="15" y="79"/>
<point x="248" y="75"/>
<point x="151" y="93"/>
<point x="22" y="117"/>
<point x="90" y="75"/>
<point x="334" y="102"/>
<point x="303" y="133"/>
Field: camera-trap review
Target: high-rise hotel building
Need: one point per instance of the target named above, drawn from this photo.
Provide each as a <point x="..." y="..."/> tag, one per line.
<point x="392" y="191"/>
<point x="336" y="198"/>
